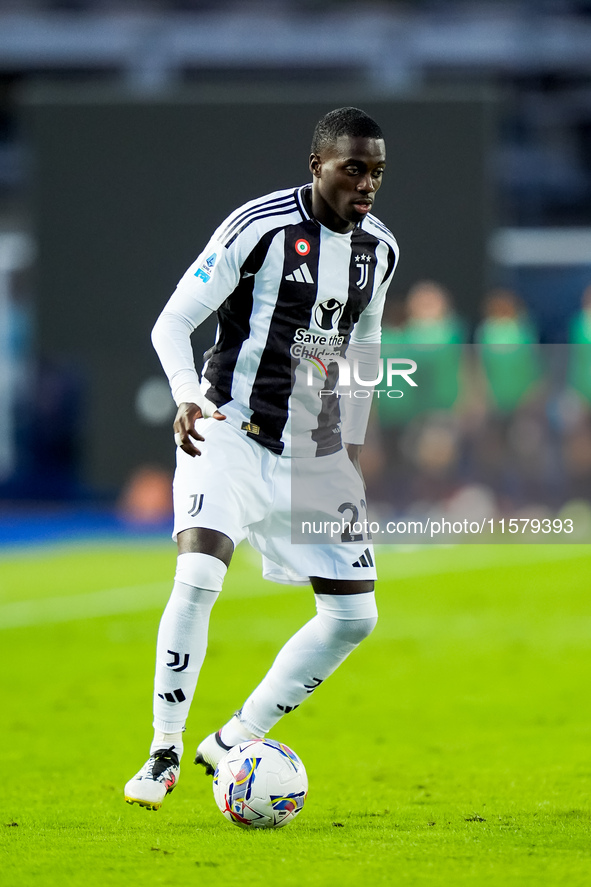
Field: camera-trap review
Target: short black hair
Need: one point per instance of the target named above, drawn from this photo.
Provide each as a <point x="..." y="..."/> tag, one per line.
<point x="344" y="122"/>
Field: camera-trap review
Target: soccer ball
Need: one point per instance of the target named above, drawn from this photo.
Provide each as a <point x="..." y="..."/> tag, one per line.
<point x="260" y="784"/>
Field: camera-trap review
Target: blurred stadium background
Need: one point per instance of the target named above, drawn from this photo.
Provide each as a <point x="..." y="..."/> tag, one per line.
<point x="129" y="129"/>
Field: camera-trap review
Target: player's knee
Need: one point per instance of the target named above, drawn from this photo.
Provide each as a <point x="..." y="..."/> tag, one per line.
<point x="353" y="631"/>
<point x="199" y="570"/>
<point x="348" y="618"/>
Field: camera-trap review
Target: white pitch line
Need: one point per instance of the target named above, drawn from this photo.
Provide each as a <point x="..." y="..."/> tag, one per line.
<point x="138" y="598"/>
<point x="110" y="602"/>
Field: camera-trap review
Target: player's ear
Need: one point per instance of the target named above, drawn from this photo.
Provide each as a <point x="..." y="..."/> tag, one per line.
<point x="315" y="165"/>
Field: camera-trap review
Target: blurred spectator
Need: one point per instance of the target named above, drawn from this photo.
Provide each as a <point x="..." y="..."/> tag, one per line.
<point x="579" y="372"/>
<point x="580" y="325"/>
<point x="393" y="321"/>
<point x="575" y="402"/>
<point x="514" y="451"/>
<point x="429" y="333"/>
<point x="418" y="433"/>
<point x="507" y="354"/>
<point x="430" y="319"/>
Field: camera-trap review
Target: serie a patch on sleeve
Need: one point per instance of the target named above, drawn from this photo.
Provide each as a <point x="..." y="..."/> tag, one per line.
<point x="204" y="271"/>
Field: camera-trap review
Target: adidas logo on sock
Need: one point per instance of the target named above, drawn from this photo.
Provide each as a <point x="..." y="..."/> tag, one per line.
<point x="300" y="275"/>
<point x="176" y="696"/>
<point x="365" y="560"/>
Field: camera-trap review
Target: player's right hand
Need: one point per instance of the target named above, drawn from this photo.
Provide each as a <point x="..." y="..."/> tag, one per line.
<point x="184" y="427"/>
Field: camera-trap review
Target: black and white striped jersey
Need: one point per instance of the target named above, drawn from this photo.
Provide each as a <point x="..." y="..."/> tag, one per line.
<point x="288" y="293"/>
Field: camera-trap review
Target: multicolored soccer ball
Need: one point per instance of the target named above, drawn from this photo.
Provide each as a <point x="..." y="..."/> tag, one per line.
<point x="260" y="784"/>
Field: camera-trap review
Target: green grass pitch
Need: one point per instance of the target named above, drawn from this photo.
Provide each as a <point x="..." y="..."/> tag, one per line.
<point x="453" y="747"/>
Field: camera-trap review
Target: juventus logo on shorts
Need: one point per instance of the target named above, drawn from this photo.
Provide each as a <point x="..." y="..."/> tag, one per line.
<point x="196" y="505"/>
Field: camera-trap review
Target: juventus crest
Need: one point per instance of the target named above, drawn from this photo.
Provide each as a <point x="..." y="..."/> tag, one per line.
<point x="196" y="504"/>
<point x="363" y="264"/>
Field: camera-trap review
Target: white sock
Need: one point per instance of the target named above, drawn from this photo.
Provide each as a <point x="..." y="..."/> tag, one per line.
<point x="234" y="732"/>
<point x="182" y="638"/>
<point x="167" y="740"/>
<point x="180" y="651"/>
<point x="309" y="657"/>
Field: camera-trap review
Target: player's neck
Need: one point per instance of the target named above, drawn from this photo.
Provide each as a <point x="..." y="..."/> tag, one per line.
<point x="323" y="213"/>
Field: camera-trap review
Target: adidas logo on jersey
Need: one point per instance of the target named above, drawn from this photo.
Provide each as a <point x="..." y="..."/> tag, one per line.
<point x="365" y="560"/>
<point x="300" y="275"/>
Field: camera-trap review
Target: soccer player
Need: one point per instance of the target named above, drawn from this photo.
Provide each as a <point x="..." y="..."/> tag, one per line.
<point x="305" y="265"/>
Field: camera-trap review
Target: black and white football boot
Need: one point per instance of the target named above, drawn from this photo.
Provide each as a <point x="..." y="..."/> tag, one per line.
<point x="155" y="780"/>
<point x="210" y="752"/>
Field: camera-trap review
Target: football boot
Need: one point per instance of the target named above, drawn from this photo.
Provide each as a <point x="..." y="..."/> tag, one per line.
<point x="155" y="780"/>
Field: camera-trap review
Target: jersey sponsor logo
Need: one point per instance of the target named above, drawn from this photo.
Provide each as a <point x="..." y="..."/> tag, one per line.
<point x="302" y="247"/>
<point x="301" y="275"/>
<point x="328" y="313"/>
<point x="200" y="274"/>
<point x="313" y="344"/>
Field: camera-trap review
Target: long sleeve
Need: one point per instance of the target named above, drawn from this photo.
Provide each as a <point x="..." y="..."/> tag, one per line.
<point x="363" y="353"/>
<point x="171" y="338"/>
<point x="200" y="291"/>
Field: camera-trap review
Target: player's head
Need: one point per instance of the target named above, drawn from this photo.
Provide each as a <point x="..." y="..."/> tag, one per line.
<point x="350" y="122"/>
<point x="347" y="161"/>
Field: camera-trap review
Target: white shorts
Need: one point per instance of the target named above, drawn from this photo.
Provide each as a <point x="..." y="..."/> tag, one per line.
<point x="243" y="490"/>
